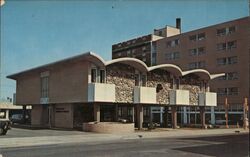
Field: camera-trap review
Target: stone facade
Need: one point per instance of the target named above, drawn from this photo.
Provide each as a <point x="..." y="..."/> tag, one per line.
<point x="160" y="78"/>
<point x="123" y="76"/>
<point x="191" y="83"/>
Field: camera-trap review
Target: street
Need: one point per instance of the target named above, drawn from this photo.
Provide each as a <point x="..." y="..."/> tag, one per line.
<point x="234" y="145"/>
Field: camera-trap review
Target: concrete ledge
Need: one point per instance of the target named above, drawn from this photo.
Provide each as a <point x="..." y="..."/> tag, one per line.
<point x="109" y="127"/>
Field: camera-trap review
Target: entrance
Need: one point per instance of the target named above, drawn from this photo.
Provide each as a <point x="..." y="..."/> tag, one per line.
<point x="107" y="113"/>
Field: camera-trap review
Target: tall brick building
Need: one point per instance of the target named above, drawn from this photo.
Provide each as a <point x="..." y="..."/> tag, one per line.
<point x="218" y="48"/>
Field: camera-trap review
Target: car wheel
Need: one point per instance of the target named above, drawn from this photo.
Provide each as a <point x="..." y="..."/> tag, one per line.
<point x="5" y="131"/>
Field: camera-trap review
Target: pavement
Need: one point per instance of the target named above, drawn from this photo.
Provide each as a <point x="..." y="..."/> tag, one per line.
<point x="25" y="138"/>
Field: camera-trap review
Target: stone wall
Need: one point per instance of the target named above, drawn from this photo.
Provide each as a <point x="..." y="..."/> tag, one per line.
<point x="162" y="78"/>
<point x="191" y="83"/>
<point x="123" y="77"/>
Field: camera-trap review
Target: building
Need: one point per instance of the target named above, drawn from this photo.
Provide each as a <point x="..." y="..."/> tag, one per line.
<point x="144" y="48"/>
<point x="219" y="48"/>
<point x="85" y="88"/>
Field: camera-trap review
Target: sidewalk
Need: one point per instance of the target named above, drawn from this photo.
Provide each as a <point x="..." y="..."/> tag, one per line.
<point x="94" y="137"/>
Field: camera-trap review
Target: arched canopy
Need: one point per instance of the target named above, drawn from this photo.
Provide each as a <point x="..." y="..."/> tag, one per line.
<point x="173" y="69"/>
<point x="95" y="59"/>
<point x="136" y="63"/>
<point x="203" y="74"/>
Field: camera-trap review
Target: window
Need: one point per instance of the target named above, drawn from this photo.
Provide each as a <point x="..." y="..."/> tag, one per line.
<point x="231" y="45"/>
<point x="201" y="36"/>
<point x="195" y="65"/>
<point x="221" y="61"/>
<point x="192" y="65"/>
<point x="137" y="82"/>
<point x="221" y="46"/>
<point x="128" y="52"/>
<point x="144" y="59"/>
<point x="169" y="44"/>
<point x="226" y="31"/>
<point x="231" y="29"/>
<point x="222" y="91"/>
<point x="173" y="43"/>
<point x="144" y="49"/>
<point x="192" y="38"/>
<point x="221" y="32"/>
<point x="130" y="111"/>
<point x="232" y="60"/>
<point x="44" y="86"/>
<point x="102" y="76"/>
<point x="193" y="52"/>
<point x="146" y="111"/>
<point x="201" y="64"/>
<point x="143" y="80"/>
<point x="93" y="75"/>
<point x="201" y="50"/>
<point x="176" y="42"/>
<point x="198" y="51"/>
<point x="229" y="76"/>
<point x="228" y="91"/>
<point x="172" y="56"/>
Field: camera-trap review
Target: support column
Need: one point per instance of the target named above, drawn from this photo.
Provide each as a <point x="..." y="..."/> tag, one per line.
<point x="203" y="117"/>
<point x="116" y="112"/>
<point x="139" y="116"/>
<point x="97" y="114"/>
<point x="7" y="114"/>
<point x="185" y="115"/>
<point x="133" y="114"/>
<point x="161" y="115"/>
<point x="165" y="117"/>
<point x="174" y="116"/>
<point x="24" y="114"/>
<point x="212" y="116"/>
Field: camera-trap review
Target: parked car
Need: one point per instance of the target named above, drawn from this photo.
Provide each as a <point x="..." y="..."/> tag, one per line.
<point x="18" y="118"/>
<point x="4" y="124"/>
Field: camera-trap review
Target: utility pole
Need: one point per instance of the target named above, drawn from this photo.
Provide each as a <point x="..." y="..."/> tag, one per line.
<point x="226" y="112"/>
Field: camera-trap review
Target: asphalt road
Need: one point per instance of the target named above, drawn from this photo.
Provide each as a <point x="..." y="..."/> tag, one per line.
<point x="220" y="146"/>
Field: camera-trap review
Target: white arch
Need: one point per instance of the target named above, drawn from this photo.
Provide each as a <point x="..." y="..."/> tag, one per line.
<point x="136" y="63"/>
<point x="202" y="73"/>
<point x="168" y="67"/>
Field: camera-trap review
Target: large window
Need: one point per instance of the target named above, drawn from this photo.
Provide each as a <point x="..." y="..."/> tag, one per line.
<point x="195" y="37"/>
<point x="45" y="87"/>
<point x="231" y="45"/>
<point x="197" y="65"/>
<point x="229" y="76"/>
<point x="102" y="76"/>
<point x="93" y="75"/>
<point x="172" y="56"/>
<point x="227" y="61"/>
<point x="228" y="91"/>
<point x="173" y="43"/>
<point x="197" y="51"/>
<point x="226" y="31"/>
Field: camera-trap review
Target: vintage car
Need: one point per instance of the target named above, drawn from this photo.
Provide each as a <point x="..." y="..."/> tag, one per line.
<point x="4" y="125"/>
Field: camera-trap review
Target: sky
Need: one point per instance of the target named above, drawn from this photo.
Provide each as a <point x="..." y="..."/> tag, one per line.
<point x="36" y="32"/>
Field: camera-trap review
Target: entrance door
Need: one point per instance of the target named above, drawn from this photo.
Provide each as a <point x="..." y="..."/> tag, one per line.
<point x="107" y="113"/>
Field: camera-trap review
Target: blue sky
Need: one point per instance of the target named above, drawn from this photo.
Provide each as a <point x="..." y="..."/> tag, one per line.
<point x="35" y="32"/>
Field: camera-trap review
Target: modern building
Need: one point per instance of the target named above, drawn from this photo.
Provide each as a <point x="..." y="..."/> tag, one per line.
<point x="218" y="48"/>
<point x="85" y="88"/>
<point x="144" y="47"/>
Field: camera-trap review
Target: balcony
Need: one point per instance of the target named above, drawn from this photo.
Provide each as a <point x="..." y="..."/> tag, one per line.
<point x="207" y="99"/>
<point x="179" y="97"/>
<point x="145" y="95"/>
<point x="101" y="92"/>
